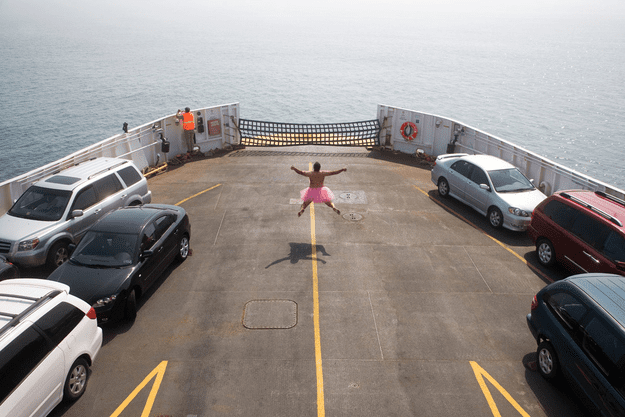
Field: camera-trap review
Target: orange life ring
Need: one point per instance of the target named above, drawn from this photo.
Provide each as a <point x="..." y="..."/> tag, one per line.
<point x="409" y="130"/>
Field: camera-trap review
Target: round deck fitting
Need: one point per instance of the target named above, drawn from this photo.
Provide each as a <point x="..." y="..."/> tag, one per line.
<point x="354" y="217"/>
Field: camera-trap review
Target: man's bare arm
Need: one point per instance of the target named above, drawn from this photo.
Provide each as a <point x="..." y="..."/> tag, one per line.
<point x="300" y="172"/>
<point x="338" y="171"/>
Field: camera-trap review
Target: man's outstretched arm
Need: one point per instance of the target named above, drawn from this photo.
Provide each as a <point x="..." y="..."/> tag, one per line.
<point x="298" y="171"/>
<point x="338" y="171"/>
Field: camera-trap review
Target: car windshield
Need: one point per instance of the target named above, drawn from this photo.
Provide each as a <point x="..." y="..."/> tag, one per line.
<point x="105" y="250"/>
<point x="510" y="180"/>
<point x="41" y="204"/>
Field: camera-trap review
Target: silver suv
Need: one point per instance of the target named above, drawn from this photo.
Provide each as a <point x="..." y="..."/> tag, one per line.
<point x="48" y="341"/>
<point x="58" y="210"/>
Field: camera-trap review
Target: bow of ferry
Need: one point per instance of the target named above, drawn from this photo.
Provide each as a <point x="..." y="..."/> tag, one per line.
<point x="405" y="304"/>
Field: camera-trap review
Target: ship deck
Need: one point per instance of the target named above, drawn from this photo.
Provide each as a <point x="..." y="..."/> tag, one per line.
<point x="403" y="305"/>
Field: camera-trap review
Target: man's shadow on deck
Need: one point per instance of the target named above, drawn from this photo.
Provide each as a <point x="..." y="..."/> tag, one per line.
<point x="301" y="252"/>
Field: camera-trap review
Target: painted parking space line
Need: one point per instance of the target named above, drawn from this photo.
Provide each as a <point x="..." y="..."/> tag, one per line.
<point x="503" y="245"/>
<point x="318" y="363"/>
<point x="195" y="195"/>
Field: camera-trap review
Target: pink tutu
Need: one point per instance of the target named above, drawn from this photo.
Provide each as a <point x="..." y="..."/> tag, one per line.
<point x="317" y="195"/>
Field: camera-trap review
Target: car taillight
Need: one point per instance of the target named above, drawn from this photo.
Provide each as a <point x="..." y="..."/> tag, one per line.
<point x="534" y="303"/>
<point x="91" y="314"/>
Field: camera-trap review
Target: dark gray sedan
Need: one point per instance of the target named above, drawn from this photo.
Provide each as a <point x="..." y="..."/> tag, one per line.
<point x="122" y="255"/>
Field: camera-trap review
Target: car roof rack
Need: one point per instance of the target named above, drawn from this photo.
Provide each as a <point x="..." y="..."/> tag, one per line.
<point x="17" y="318"/>
<point x="611" y="197"/>
<point x="593" y="208"/>
<point x="107" y="169"/>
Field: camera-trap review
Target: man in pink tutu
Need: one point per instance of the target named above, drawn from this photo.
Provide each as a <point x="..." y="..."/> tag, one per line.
<point x="316" y="191"/>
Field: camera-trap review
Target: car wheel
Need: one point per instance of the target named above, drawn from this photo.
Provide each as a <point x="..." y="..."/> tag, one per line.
<point x="546" y="253"/>
<point x="76" y="380"/>
<point x="495" y="217"/>
<point x="58" y="254"/>
<point x="130" y="312"/>
<point x="183" y="248"/>
<point x="547" y="361"/>
<point x="443" y="187"/>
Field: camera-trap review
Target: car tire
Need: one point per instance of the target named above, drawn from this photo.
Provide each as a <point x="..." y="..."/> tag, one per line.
<point x="57" y="255"/>
<point x="495" y="217"/>
<point x="76" y="381"/>
<point x="545" y="252"/>
<point x="547" y="361"/>
<point x="130" y="310"/>
<point x="183" y="248"/>
<point x="443" y="187"/>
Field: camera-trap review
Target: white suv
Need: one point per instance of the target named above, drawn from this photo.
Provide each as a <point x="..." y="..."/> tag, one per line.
<point x="48" y="340"/>
<point x="56" y="211"/>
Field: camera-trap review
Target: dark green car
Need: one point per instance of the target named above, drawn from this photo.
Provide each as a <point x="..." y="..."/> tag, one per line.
<point x="579" y="325"/>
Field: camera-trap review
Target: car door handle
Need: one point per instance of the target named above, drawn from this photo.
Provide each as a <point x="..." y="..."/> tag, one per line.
<point x="595" y="260"/>
<point x="123" y="197"/>
<point x="97" y="210"/>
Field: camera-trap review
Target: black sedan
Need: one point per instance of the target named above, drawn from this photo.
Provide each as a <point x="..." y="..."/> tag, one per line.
<point x="122" y="255"/>
<point x="7" y="270"/>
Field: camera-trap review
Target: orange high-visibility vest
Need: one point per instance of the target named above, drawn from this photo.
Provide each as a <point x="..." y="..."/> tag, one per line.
<point x="187" y="121"/>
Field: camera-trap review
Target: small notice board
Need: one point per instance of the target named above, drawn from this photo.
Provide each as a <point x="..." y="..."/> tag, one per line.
<point x="214" y="127"/>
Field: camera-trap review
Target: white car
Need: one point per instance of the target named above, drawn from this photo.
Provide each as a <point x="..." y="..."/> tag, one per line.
<point x="48" y="340"/>
<point x="493" y="187"/>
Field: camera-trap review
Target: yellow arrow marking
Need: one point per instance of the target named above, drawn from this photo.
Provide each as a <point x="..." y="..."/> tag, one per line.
<point x="480" y="373"/>
<point x="158" y="372"/>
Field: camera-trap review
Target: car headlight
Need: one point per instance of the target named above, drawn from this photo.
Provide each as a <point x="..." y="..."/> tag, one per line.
<point x="27" y="244"/>
<point x="105" y="301"/>
<point x="519" y="212"/>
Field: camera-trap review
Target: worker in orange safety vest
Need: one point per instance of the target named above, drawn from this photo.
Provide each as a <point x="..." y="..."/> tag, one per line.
<point x="188" y="125"/>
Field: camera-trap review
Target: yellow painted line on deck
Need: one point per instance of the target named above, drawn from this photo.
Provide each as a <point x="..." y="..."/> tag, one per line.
<point x="480" y="374"/>
<point x="195" y="195"/>
<point x="158" y="374"/>
<point x="503" y="245"/>
<point x="321" y="408"/>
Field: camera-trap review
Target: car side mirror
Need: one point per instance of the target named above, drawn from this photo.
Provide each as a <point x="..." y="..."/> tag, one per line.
<point x="484" y="187"/>
<point x="76" y="213"/>
<point x="146" y="254"/>
<point x="71" y="248"/>
<point x="620" y="265"/>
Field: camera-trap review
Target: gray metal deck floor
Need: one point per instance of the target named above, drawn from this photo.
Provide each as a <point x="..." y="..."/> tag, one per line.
<point x="410" y="295"/>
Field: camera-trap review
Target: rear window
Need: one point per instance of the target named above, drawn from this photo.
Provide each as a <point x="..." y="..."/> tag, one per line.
<point x="60" y="321"/>
<point x="129" y="175"/>
<point x="562" y="214"/>
<point x="568" y="309"/>
<point x="604" y="347"/>
<point x="107" y="186"/>
<point x="590" y="230"/>
<point x="614" y="247"/>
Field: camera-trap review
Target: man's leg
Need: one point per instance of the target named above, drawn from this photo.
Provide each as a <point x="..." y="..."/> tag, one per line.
<point x="304" y="205"/>
<point x="331" y="204"/>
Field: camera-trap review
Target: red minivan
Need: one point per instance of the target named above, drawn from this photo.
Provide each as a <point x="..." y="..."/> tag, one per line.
<point x="583" y="230"/>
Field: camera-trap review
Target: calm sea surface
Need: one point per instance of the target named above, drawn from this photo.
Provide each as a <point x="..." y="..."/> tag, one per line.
<point x="553" y="86"/>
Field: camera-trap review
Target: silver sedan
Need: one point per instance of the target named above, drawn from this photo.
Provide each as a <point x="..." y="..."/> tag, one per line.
<point x="493" y="187"/>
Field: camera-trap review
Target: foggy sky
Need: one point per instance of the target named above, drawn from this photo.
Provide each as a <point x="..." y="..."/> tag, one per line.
<point x="112" y="12"/>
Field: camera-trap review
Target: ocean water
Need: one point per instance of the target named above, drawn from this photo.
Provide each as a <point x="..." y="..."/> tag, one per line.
<point x="553" y="84"/>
